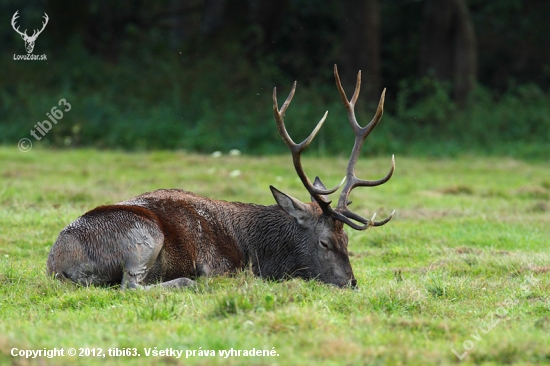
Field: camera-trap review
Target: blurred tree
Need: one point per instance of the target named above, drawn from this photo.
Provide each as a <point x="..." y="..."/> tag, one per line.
<point x="306" y="38"/>
<point x="71" y="19"/>
<point x="267" y="15"/>
<point x="448" y="45"/>
<point x="361" y="45"/>
<point x="513" y="43"/>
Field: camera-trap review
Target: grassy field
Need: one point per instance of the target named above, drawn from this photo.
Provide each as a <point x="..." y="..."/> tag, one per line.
<point x="460" y="276"/>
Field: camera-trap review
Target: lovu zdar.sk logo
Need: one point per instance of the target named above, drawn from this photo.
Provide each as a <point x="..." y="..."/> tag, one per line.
<point x="29" y="40"/>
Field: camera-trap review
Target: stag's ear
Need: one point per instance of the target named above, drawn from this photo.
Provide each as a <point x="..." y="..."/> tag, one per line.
<point x="291" y="205"/>
<point x="319" y="185"/>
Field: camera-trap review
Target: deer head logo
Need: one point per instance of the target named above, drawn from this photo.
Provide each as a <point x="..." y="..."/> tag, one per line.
<point x="29" y="41"/>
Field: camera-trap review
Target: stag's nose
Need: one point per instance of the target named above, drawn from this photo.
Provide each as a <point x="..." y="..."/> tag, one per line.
<point x="353" y="283"/>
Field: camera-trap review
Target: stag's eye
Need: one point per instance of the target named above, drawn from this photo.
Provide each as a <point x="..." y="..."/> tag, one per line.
<point x="325" y="245"/>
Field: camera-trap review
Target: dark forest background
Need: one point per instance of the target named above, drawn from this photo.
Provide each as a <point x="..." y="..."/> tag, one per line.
<point x="462" y="76"/>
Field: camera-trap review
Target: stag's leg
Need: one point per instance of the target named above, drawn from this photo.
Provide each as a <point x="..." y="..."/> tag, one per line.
<point x="109" y="246"/>
<point x="143" y="264"/>
<point x="142" y="260"/>
<point x="155" y="275"/>
<point x="106" y="246"/>
<point x="138" y="273"/>
<point x="72" y="259"/>
<point x="177" y="283"/>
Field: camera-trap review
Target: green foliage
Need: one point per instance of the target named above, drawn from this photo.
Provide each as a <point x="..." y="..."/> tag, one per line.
<point x="428" y="122"/>
<point x="204" y="106"/>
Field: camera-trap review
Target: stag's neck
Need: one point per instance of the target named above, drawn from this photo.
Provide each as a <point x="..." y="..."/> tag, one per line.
<point x="267" y="238"/>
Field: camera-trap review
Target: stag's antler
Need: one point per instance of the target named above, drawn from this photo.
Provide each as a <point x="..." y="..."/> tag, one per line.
<point x="296" y="149"/>
<point x="341" y="213"/>
<point x="361" y="134"/>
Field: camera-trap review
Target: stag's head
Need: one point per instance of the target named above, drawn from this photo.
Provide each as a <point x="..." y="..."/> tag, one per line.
<point x="321" y="242"/>
<point x="326" y="257"/>
<point x="29" y="40"/>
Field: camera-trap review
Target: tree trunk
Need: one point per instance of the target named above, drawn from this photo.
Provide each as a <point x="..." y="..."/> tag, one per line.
<point x="448" y="47"/>
<point x="268" y="15"/>
<point x="361" y="28"/>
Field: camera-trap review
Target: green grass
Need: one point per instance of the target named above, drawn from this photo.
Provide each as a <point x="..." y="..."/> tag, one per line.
<point x="465" y="262"/>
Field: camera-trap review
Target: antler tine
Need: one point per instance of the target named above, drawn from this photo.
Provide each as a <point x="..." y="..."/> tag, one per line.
<point x="288" y="99"/>
<point x="296" y="149"/>
<point x="361" y="134"/>
<point x="374" y="183"/>
<point x="383" y="222"/>
<point x="349" y="215"/>
<point x="347" y="103"/>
